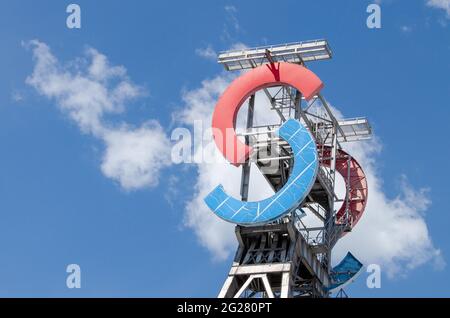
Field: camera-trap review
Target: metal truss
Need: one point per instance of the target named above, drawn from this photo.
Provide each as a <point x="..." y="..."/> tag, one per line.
<point x="291" y="52"/>
<point x="274" y="261"/>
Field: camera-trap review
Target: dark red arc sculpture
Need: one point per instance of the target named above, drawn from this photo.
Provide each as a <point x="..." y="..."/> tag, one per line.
<point x="356" y="182"/>
<point x="227" y="108"/>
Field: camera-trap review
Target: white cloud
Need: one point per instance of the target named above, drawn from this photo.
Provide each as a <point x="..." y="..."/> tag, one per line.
<point x="238" y="46"/>
<point x="201" y="102"/>
<point x="405" y="28"/>
<point x="231" y="29"/>
<point x="231" y="12"/>
<point x="100" y="69"/>
<point x="208" y="53"/>
<point x="134" y="157"/>
<point x="86" y="90"/>
<point x="212" y="232"/>
<point x="392" y="232"/>
<point x="17" y="96"/>
<point x="440" y="4"/>
<point x="231" y="26"/>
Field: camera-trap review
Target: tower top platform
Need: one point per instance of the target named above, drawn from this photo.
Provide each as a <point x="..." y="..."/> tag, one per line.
<point x="298" y="52"/>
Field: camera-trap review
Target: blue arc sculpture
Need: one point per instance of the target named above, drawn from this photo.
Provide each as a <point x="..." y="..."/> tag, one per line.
<point x="287" y="199"/>
<point x="345" y="272"/>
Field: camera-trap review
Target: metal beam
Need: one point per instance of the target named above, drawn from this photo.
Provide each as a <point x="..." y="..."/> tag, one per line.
<point x="245" y="180"/>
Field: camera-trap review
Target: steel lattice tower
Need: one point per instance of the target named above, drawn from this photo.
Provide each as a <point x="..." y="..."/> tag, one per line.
<point x="288" y="258"/>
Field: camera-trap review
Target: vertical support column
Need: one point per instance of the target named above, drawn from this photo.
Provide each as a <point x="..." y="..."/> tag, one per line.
<point x="285" y="285"/>
<point x="228" y="290"/>
<point x="245" y="179"/>
<point x="334" y="146"/>
<point x="329" y="222"/>
<point x="298" y="105"/>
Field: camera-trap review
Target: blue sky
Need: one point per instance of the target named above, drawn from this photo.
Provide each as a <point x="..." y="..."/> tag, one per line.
<point x="57" y="205"/>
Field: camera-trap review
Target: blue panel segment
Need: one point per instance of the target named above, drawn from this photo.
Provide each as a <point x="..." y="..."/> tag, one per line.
<point x="288" y="198"/>
<point x="345" y="272"/>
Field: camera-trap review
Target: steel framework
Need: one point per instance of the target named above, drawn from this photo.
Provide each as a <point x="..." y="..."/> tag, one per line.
<point x="289" y="258"/>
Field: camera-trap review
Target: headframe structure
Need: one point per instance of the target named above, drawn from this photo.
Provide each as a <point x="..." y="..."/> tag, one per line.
<point x="288" y="258"/>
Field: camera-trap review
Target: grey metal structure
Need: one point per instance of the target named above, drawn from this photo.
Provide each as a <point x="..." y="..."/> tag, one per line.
<point x="291" y="52"/>
<point x="289" y="258"/>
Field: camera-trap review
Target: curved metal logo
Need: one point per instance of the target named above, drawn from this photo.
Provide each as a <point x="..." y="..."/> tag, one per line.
<point x="303" y="146"/>
<point x="288" y="197"/>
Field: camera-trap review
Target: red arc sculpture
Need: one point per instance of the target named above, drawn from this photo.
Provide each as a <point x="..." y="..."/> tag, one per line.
<point x="227" y="108"/>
